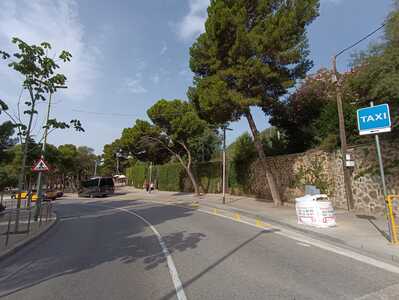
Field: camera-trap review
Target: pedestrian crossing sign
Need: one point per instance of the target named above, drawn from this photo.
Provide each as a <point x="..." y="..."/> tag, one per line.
<point x="40" y="166"/>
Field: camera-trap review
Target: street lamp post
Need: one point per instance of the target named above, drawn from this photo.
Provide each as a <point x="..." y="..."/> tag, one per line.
<point x="118" y="155"/>
<point x="224" y="163"/>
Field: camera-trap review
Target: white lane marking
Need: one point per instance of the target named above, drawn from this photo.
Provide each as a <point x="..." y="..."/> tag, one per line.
<point x="181" y="295"/>
<point x="303" y="244"/>
<point x="390" y="292"/>
<point x="310" y="241"/>
<point x="340" y="251"/>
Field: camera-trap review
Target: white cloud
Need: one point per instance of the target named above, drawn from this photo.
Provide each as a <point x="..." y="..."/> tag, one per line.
<point x="193" y="23"/>
<point x="57" y="22"/>
<point x="164" y="49"/>
<point x="134" y="85"/>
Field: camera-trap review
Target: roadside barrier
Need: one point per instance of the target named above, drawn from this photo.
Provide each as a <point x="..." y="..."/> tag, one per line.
<point x="25" y="215"/>
<point x="393" y="216"/>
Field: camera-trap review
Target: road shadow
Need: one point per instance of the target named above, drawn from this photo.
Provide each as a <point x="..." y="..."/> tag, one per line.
<point x="371" y="220"/>
<point x="217" y="262"/>
<point x="89" y="235"/>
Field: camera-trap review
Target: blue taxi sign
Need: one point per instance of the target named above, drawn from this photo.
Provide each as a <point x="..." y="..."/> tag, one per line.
<point x="374" y="119"/>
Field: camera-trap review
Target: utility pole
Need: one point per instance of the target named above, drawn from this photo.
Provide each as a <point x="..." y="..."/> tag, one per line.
<point x="342" y="136"/>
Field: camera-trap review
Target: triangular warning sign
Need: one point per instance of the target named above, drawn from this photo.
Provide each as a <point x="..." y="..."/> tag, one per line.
<point x="40" y="166"/>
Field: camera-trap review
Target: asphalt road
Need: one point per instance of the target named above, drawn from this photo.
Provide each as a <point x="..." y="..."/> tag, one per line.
<point x="106" y="250"/>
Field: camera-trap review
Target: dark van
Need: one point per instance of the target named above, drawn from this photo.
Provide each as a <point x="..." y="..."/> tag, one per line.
<point x="97" y="187"/>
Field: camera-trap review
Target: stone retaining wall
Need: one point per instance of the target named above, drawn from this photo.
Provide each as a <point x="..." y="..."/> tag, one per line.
<point x="324" y="169"/>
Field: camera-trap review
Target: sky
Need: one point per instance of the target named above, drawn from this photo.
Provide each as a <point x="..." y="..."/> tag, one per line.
<point x="127" y="54"/>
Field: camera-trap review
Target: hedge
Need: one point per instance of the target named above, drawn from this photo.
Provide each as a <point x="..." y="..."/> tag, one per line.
<point x="137" y="174"/>
<point x="169" y="177"/>
<point x="172" y="176"/>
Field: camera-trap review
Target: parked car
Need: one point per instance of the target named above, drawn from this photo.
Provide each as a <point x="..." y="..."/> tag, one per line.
<point x="50" y="195"/>
<point x="23" y="195"/>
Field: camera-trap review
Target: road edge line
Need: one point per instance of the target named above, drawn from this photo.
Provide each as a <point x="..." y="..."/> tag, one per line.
<point x="302" y="238"/>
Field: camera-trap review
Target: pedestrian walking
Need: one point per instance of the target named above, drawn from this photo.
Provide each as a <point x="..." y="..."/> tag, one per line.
<point x="151" y="187"/>
<point x="146" y="185"/>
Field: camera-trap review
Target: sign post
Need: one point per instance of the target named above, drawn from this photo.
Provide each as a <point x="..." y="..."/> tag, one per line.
<point x="40" y="167"/>
<point x="374" y="120"/>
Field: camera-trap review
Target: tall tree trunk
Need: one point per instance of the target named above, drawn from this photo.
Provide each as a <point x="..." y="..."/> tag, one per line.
<point x="262" y="156"/>
<point x="193" y="181"/>
<point x="189" y="169"/>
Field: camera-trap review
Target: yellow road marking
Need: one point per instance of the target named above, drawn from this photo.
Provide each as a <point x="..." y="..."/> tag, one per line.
<point x="237" y="216"/>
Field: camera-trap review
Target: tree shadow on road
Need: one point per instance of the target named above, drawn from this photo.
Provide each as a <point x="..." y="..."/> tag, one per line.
<point x="89" y="235"/>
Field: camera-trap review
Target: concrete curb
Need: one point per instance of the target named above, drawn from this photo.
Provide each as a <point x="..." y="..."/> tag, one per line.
<point x="308" y="232"/>
<point x="18" y="246"/>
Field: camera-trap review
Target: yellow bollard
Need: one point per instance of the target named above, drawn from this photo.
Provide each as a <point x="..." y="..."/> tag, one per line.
<point x="392" y="211"/>
<point x="259" y="223"/>
<point x="237" y="216"/>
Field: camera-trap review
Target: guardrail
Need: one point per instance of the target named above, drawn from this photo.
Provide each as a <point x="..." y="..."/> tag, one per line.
<point x="393" y="217"/>
<point x="25" y="215"/>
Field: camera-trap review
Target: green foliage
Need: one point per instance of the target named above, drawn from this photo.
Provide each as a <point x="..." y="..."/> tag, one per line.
<point x="170" y="177"/>
<point x="243" y="155"/>
<point x="314" y="175"/>
<point x="250" y="54"/>
<point x="40" y="79"/>
<point x="137" y="174"/>
<point x="209" y="175"/>
<point x="75" y="161"/>
<point x="179" y="122"/>
<point x="205" y="146"/>
<point x="327" y="125"/>
<point x="133" y="141"/>
<point x="6" y="139"/>
<point x="375" y="75"/>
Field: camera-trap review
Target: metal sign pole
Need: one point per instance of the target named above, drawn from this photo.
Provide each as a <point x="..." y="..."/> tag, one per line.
<point x="377" y="144"/>
<point x="382" y="173"/>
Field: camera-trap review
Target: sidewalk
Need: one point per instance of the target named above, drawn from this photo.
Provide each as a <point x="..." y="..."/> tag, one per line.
<point x="359" y="232"/>
<point x="28" y="229"/>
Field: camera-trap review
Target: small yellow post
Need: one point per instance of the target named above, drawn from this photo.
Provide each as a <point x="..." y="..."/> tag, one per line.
<point x="392" y="221"/>
<point x="215" y="211"/>
<point x="259" y="223"/>
<point x="237" y="216"/>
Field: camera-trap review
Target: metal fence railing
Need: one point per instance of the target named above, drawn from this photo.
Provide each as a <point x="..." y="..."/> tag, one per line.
<point x="25" y="216"/>
<point x="393" y="216"/>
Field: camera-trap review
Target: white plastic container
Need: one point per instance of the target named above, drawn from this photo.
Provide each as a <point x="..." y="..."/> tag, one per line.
<point x="315" y="210"/>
